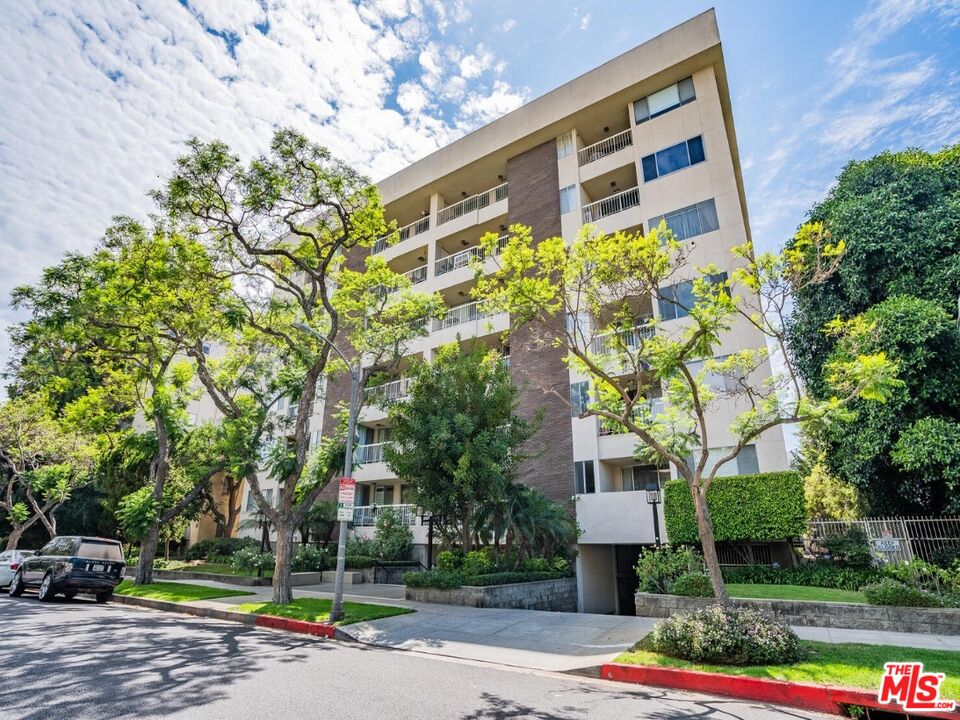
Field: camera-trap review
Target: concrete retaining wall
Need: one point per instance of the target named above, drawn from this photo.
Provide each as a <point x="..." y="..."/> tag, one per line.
<point x="296" y="579"/>
<point x="854" y="616"/>
<point x="559" y="595"/>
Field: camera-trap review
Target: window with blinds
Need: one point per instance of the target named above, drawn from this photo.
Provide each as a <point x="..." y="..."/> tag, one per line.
<point x="690" y="221"/>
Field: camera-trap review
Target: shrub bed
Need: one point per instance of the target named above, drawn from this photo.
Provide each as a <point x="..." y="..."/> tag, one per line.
<point x="448" y="579"/>
<point x="893" y="592"/>
<point x="823" y="575"/>
<point x="693" y="585"/>
<point x="218" y="548"/>
<point x="735" y="636"/>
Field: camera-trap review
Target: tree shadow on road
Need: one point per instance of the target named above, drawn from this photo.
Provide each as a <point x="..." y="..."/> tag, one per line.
<point x="86" y="660"/>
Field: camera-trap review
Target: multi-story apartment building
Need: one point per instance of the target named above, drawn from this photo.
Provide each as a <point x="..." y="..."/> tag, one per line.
<point x="648" y="135"/>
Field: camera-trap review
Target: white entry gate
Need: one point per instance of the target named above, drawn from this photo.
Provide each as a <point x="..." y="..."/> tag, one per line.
<point x="896" y="539"/>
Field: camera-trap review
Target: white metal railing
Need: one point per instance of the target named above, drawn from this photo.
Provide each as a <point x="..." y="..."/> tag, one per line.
<point x="643" y="413"/>
<point x="631" y="339"/>
<point x="416" y="276"/>
<point x="463" y="258"/>
<point x="468" y="312"/>
<point x="618" y="202"/>
<point x="474" y="202"/>
<point x="393" y="390"/>
<point x="407" y="231"/>
<point x="370" y="453"/>
<point x="366" y="515"/>
<point x="605" y="147"/>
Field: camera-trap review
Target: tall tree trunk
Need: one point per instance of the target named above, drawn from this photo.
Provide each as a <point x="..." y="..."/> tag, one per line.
<point x="14" y="539"/>
<point x="282" y="589"/>
<point x="233" y="507"/>
<point x="707" y="542"/>
<point x="148" y="551"/>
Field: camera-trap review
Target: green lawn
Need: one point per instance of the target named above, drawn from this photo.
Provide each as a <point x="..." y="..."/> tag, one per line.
<point x="843" y="664"/>
<point x="175" y="592"/>
<point x="794" y="592"/>
<point x="318" y="610"/>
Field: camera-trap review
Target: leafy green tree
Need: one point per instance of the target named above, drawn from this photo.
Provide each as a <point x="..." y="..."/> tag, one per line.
<point x="41" y="464"/>
<point x="898" y="215"/>
<point x="922" y="338"/>
<point x="928" y="452"/>
<point x="280" y="228"/>
<point x="125" y="309"/>
<point x="457" y="440"/>
<point x="587" y="298"/>
<point x="393" y="537"/>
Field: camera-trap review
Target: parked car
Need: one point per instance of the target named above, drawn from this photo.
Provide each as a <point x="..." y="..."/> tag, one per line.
<point x="72" y="565"/>
<point x="9" y="563"/>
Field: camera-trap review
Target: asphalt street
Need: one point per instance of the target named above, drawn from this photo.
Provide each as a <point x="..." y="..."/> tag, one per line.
<point x="77" y="660"/>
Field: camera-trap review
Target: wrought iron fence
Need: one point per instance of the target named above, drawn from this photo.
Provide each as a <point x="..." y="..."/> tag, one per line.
<point x="896" y="539"/>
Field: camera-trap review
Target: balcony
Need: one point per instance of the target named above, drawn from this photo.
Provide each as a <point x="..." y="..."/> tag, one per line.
<point x="394" y="390"/>
<point x="415" y="276"/>
<point x="368" y="454"/>
<point x="472" y="203"/>
<point x="618" y="202"/>
<point x="624" y="340"/>
<point x="605" y="147"/>
<point x="407" y="231"/>
<point x="644" y="413"/>
<point x="617" y="518"/>
<point x="463" y="258"/>
<point x="461" y="314"/>
<point x="366" y="515"/>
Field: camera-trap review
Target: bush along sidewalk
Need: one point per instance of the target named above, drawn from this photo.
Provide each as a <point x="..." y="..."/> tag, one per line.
<point x="742" y="653"/>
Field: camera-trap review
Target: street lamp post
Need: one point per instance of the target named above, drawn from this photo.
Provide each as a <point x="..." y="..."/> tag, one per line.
<point x="653" y="499"/>
<point x="336" y="611"/>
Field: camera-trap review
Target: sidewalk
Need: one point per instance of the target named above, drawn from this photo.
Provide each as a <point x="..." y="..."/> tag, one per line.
<point x="526" y="638"/>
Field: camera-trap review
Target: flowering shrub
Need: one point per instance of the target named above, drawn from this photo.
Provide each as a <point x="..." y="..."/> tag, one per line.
<point x="308" y="558"/>
<point x="893" y="592"/>
<point x="735" y="636"/>
<point x="251" y="559"/>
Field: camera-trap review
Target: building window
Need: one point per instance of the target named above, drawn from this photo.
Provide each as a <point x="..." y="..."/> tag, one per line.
<point x="690" y="221"/>
<point x="565" y="145"/>
<point x="716" y="381"/>
<point x="568" y="199"/>
<point x="205" y="348"/>
<point x="252" y="501"/>
<point x="676" y="301"/>
<point x="383" y="495"/>
<point x="579" y="398"/>
<point x="689" y="152"/>
<point x="664" y="100"/>
<point x="745" y="463"/>
<point x="640" y="477"/>
<point x="583" y="479"/>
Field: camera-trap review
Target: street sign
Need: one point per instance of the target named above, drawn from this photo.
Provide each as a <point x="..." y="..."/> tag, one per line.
<point x="348" y="489"/>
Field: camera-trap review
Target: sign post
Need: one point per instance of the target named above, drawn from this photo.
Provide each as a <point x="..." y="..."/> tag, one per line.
<point x="345" y="497"/>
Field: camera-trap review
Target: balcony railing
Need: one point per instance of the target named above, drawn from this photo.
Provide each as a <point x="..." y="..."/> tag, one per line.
<point x="366" y="515"/>
<point x="394" y="390"/>
<point x="618" y="202"/>
<point x="628" y="339"/>
<point x="463" y="258"/>
<point x="367" y="454"/>
<point x="474" y="202"/>
<point x="605" y="147"/>
<point x="415" y="276"/>
<point x="643" y="413"/>
<point x="461" y="314"/>
<point x="407" y="231"/>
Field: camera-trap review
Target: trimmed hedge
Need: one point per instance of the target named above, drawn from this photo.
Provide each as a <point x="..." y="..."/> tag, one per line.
<point x="693" y="585"/>
<point x="443" y="579"/>
<point x="505" y="578"/>
<point x="762" y="507"/>
<point x="813" y="575"/>
<point x="893" y="592"/>
<point x="358" y="562"/>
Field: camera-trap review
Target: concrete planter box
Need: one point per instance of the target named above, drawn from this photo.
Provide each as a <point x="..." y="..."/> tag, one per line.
<point x="558" y="595"/>
<point x="853" y="616"/>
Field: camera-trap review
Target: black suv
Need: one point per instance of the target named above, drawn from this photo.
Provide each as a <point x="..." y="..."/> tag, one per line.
<point x="72" y="565"/>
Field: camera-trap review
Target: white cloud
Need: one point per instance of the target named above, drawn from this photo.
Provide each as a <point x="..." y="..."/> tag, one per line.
<point x="96" y="100"/>
<point x="506" y="26"/>
<point x="585" y="22"/>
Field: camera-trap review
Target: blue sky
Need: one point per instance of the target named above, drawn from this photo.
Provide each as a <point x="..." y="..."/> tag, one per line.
<point x="96" y="98"/>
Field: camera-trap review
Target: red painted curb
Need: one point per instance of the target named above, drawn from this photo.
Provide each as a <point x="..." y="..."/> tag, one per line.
<point x="297" y="626"/>
<point x="820" y="698"/>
